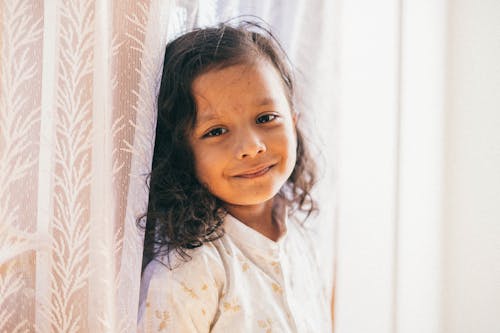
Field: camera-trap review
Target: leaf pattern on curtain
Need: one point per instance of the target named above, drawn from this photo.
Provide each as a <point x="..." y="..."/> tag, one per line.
<point x="72" y="168"/>
<point x="73" y="265"/>
<point x="21" y="38"/>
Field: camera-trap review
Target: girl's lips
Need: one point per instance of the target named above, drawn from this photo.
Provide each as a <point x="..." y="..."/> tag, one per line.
<point x="257" y="173"/>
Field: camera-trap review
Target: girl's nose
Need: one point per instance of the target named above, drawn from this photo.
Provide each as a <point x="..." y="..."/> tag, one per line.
<point x="250" y="145"/>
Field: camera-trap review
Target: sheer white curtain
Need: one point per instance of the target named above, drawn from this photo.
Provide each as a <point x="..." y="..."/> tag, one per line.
<point x="78" y="84"/>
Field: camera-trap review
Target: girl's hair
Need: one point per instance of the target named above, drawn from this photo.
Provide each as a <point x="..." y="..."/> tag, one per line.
<point x="182" y="214"/>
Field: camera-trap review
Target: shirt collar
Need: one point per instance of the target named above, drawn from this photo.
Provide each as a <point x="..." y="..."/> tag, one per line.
<point x="249" y="239"/>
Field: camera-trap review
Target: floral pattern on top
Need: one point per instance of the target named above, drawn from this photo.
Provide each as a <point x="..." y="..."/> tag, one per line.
<point x="242" y="282"/>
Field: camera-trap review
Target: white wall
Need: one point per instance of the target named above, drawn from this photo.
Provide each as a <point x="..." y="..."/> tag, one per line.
<point x="367" y="165"/>
<point x="421" y="169"/>
<point x="418" y="229"/>
<point x="472" y="202"/>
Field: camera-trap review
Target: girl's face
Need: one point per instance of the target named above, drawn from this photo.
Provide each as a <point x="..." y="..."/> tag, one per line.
<point x="244" y="141"/>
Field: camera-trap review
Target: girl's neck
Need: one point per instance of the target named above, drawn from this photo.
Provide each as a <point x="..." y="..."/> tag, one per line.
<point x="259" y="217"/>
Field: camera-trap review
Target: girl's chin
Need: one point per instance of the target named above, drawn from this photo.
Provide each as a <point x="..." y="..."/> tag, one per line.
<point x="255" y="200"/>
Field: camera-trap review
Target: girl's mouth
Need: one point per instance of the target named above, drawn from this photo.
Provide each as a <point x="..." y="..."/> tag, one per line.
<point x="259" y="172"/>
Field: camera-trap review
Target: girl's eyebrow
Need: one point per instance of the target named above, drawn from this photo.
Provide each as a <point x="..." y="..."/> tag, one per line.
<point x="210" y="115"/>
<point x="264" y="101"/>
<point x="207" y="116"/>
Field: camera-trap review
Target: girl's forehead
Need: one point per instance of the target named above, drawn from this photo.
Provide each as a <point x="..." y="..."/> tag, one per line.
<point x="254" y="79"/>
<point x="237" y="87"/>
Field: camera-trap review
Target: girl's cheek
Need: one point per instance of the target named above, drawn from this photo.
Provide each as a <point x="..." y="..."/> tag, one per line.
<point x="211" y="155"/>
<point x="285" y="134"/>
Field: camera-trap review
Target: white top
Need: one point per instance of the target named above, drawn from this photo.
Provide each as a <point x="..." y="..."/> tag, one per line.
<point x="242" y="282"/>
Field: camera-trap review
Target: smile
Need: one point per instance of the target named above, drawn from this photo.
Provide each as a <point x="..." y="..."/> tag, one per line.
<point x="256" y="173"/>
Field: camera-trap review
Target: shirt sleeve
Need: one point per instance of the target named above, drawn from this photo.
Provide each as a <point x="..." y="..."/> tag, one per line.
<point x="182" y="299"/>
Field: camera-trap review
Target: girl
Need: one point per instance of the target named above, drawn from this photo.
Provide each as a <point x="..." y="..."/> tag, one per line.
<point x="226" y="249"/>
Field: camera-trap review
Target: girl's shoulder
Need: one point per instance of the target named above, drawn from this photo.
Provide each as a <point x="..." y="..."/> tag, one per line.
<point x="202" y="266"/>
<point x="193" y="283"/>
<point x="303" y="227"/>
<point x="203" y="259"/>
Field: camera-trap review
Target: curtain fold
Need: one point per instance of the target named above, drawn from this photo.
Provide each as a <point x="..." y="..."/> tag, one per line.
<point x="78" y="86"/>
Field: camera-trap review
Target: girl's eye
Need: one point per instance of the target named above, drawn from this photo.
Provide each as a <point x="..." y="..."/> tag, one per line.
<point x="216" y="132"/>
<point x="266" y="118"/>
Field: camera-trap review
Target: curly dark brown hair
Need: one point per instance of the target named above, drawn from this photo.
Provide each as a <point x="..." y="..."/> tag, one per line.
<point x="182" y="214"/>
